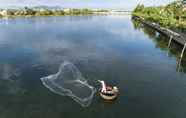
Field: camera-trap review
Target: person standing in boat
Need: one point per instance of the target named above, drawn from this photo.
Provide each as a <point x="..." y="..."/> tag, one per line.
<point x="103" y="89"/>
<point x="108" y="92"/>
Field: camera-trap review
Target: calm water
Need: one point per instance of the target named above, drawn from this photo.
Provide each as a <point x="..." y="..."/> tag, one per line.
<point x="112" y="48"/>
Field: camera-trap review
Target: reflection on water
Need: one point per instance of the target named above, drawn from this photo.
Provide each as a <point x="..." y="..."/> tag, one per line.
<point x="110" y="48"/>
<point x="165" y="44"/>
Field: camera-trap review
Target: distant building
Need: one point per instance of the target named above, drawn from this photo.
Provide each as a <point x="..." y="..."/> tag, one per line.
<point x="67" y="10"/>
<point x="6" y="12"/>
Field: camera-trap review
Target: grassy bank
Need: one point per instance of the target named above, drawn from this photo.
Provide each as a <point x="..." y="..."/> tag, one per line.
<point x="172" y="16"/>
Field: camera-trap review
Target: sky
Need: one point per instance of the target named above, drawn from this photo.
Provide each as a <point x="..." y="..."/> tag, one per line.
<point x="117" y="4"/>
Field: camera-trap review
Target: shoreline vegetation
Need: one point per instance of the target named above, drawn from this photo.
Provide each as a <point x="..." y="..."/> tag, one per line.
<point x="47" y="11"/>
<point x="172" y="16"/>
<point x="52" y="11"/>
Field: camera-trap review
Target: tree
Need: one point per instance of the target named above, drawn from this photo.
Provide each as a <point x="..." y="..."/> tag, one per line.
<point x="139" y="8"/>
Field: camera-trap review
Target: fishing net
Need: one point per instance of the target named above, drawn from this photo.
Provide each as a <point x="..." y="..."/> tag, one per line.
<point x="68" y="81"/>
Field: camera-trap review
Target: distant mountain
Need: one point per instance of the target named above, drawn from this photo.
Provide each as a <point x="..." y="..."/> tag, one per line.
<point x="11" y="7"/>
<point x="46" y="7"/>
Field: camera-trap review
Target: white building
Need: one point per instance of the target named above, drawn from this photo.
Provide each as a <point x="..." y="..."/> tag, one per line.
<point x="6" y="13"/>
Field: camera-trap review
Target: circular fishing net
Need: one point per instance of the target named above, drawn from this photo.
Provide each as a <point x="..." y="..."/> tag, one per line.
<point x="68" y="81"/>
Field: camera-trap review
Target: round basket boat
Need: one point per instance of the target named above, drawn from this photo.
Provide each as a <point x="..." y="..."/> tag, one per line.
<point x="110" y="94"/>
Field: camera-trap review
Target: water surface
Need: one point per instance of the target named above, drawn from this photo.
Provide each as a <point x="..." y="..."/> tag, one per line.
<point x="116" y="49"/>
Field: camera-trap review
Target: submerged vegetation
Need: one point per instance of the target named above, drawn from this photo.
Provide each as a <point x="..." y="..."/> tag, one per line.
<point x="171" y="16"/>
<point x="47" y="11"/>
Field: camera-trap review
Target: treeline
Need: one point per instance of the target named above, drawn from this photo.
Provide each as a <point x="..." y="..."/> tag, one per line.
<point x="172" y="15"/>
<point x="46" y="12"/>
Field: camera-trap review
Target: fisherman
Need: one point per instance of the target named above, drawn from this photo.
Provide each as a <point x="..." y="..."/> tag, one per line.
<point x="103" y="89"/>
<point x="108" y="92"/>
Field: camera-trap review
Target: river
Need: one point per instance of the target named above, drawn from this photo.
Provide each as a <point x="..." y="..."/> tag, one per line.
<point x="135" y="58"/>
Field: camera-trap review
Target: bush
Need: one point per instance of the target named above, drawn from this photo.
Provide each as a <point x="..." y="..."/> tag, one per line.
<point x="171" y="15"/>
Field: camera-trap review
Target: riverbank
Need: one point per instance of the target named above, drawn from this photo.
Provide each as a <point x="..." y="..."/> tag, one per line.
<point x="172" y="16"/>
<point x="45" y="11"/>
<point x="55" y="11"/>
<point x="177" y="37"/>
